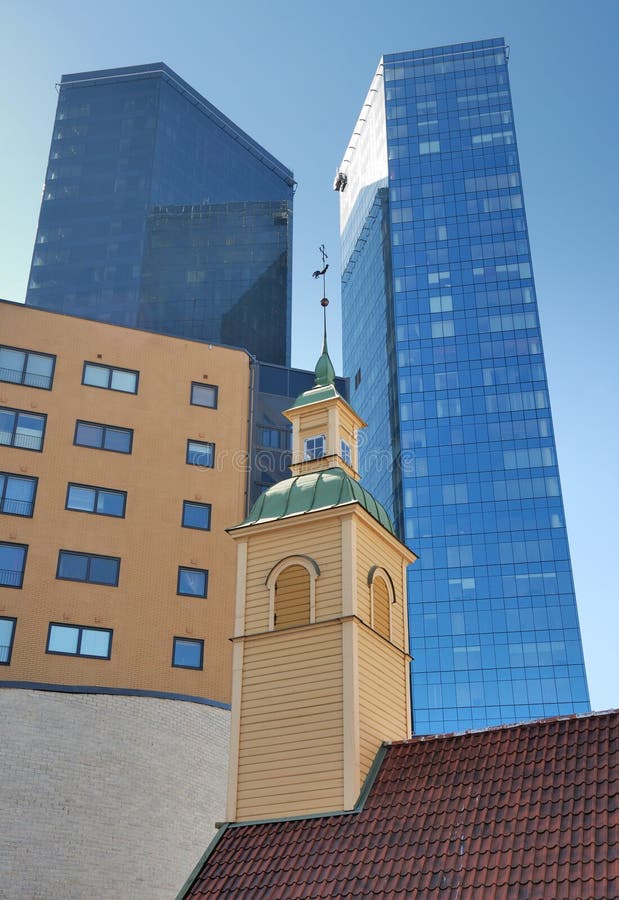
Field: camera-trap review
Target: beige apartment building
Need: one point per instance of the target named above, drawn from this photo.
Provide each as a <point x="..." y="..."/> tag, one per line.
<point x="122" y="461"/>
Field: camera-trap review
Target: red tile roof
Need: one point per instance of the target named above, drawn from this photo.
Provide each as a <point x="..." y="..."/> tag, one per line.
<point x="518" y="812"/>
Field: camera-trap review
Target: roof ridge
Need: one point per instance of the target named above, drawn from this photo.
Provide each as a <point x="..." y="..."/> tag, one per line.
<point x="542" y="720"/>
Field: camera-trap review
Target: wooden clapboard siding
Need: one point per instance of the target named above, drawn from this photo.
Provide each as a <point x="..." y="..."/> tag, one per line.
<point x="292" y="597"/>
<point x="291" y="723"/>
<point x="372" y="551"/>
<point x="315" y="539"/>
<point x="381" y="607"/>
<point x="382" y="695"/>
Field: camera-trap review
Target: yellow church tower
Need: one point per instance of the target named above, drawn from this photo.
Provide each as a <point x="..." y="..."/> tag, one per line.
<point x="320" y="646"/>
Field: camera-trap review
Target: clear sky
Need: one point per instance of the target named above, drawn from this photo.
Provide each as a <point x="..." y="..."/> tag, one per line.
<point x="294" y="75"/>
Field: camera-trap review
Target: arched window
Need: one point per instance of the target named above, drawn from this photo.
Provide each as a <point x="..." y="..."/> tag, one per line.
<point x="382" y="595"/>
<point x="292" y="598"/>
<point x="291" y="585"/>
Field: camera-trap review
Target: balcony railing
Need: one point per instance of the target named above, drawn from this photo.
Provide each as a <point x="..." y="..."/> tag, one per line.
<point x="27" y="441"/>
<point x="11" y="577"/>
<point x="16" y="507"/>
<point x="17" y="376"/>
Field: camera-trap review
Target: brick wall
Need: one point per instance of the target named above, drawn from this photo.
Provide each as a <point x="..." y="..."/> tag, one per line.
<point x="105" y="796"/>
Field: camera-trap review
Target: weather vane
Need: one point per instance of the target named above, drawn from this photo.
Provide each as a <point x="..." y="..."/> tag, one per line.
<point x="325" y="265"/>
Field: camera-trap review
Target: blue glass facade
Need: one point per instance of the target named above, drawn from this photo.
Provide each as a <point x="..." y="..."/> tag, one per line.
<point x="441" y="336"/>
<point x="159" y="212"/>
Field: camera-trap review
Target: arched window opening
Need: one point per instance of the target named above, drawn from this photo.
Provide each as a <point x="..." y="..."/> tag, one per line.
<point x="381" y="603"/>
<point x="382" y="596"/>
<point x="292" y="598"/>
<point x="292" y="592"/>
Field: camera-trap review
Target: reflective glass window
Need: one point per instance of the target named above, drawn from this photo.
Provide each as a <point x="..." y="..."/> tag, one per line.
<point x="17" y="493"/>
<point x="79" y="640"/>
<point x="192" y="582"/>
<point x="345" y="452"/>
<point x="26" y="367"/>
<point x="187" y="653"/>
<point x="73" y="566"/>
<point x="12" y="564"/>
<point x="314" y="447"/>
<point x="200" y="453"/>
<point x="103" y="437"/>
<point x="21" y="429"/>
<point x="196" y="515"/>
<point x="7" y="633"/>
<point x="104" y="501"/>
<point x="204" y="395"/>
<point x="110" y="377"/>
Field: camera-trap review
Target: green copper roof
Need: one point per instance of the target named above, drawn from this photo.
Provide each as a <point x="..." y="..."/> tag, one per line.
<point x="316" y="490"/>
<point x="324" y="371"/>
<point x="326" y="392"/>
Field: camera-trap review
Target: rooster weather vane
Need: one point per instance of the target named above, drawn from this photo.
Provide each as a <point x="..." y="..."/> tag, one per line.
<point x="325" y="265"/>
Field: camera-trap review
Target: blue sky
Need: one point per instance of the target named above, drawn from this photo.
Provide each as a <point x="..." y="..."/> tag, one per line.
<point x="294" y="75"/>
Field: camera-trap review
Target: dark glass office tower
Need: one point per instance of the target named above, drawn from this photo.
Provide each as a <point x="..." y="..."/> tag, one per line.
<point x="159" y="212"/>
<point x="443" y="348"/>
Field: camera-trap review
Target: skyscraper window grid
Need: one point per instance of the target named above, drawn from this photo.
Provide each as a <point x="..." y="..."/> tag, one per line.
<point x="436" y="253"/>
<point x="160" y="213"/>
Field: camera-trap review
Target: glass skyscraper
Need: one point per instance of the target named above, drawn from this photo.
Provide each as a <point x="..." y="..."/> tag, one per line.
<point x="159" y="212"/>
<point x="443" y="348"/>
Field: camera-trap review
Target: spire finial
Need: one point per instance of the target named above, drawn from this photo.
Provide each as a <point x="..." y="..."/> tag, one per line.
<point x="325" y="373"/>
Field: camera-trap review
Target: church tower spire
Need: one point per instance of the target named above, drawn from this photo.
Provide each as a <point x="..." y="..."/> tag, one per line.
<point x="320" y="655"/>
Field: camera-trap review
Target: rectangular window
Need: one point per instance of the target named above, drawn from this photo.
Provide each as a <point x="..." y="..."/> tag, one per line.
<point x="429" y="147"/>
<point x="27" y="367"/>
<point x="7" y="633"/>
<point x="19" y="428"/>
<point x="110" y="378"/>
<point x="345" y="452"/>
<point x="103" y="501"/>
<point x="77" y="640"/>
<point x="200" y="453"/>
<point x="188" y="653"/>
<point x="277" y="438"/>
<point x="314" y="447"/>
<point x="88" y="567"/>
<point x="17" y="493"/>
<point x="12" y="564"/>
<point x="204" y="394"/>
<point x="192" y="582"/>
<point x="196" y="515"/>
<point x="103" y="437"/>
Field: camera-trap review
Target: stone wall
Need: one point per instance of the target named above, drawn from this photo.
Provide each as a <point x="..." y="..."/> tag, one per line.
<point x="110" y="797"/>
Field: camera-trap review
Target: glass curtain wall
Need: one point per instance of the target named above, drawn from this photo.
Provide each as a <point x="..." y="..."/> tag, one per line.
<point x="475" y="489"/>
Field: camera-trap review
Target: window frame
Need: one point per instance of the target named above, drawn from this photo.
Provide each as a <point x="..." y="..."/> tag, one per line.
<point x="80" y="629"/>
<point x="89" y="557"/>
<point x="180" y="593"/>
<point x="32" y="478"/>
<point x="96" y="489"/>
<point x="346" y="454"/>
<point x="24" y="547"/>
<point x="203" y="444"/>
<point x="104" y="427"/>
<point x="202" y="384"/>
<point x="316" y="437"/>
<point x="203" y="506"/>
<point x="12" y="619"/>
<point x="27" y="353"/>
<point x="26" y="412"/>
<point x="111" y="370"/>
<point x="199" y="641"/>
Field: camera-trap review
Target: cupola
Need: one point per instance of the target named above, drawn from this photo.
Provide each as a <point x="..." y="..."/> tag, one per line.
<point x="320" y="646"/>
